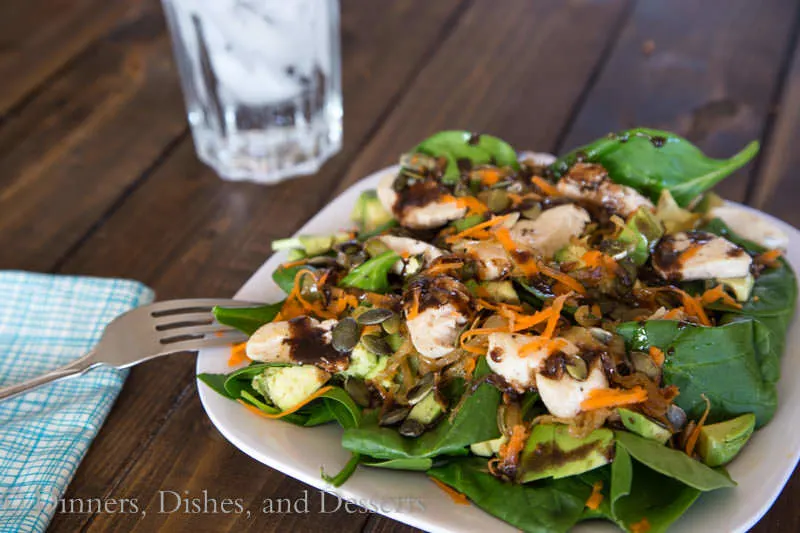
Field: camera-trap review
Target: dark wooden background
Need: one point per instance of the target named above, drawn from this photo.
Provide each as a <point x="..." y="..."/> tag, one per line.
<point x="98" y="173"/>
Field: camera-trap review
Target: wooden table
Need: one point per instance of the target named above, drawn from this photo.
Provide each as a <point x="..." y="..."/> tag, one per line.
<point x="98" y="173"/>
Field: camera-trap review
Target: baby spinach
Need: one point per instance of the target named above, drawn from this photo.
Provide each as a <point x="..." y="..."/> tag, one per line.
<point x="651" y="160"/>
<point x="420" y="464"/>
<point x="344" y="474"/>
<point x="216" y="382"/>
<point x="672" y="463"/>
<point x="460" y="146"/>
<point x="545" y="506"/>
<point x="475" y="421"/>
<point x="733" y="365"/>
<point x="372" y="275"/>
<point x="639" y="492"/>
<point x="284" y="277"/>
<point x="247" y="319"/>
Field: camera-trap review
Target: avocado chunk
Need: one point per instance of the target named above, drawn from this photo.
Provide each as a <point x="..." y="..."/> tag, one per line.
<point x="640" y="234"/>
<point x="488" y="448"/>
<point x="643" y="426"/>
<point x="741" y="287"/>
<point x="427" y="410"/>
<point x="720" y="443"/>
<point x="310" y="244"/>
<point x="501" y="291"/>
<point x="571" y="253"/>
<point x="287" y="386"/>
<point x="368" y="213"/>
<point x="551" y="452"/>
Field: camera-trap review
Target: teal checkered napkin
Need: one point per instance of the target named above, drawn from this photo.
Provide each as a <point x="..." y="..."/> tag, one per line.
<point x="45" y="322"/>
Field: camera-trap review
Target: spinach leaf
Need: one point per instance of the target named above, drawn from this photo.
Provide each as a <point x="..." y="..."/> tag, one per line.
<point x="652" y="160"/>
<point x="458" y="146"/>
<point x="216" y="382"/>
<point x="347" y="471"/>
<point x="346" y="411"/>
<point x="475" y="421"/>
<point x="673" y="463"/>
<point x="646" y="494"/>
<point x="240" y="379"/>
<point x="372" y="275"/>
<point x="247" y="319"/>
<point x="546" y="506"/>
<point x="735" y="365"/>
<point x="420" y="464"/>
<point x="284" y="277"/>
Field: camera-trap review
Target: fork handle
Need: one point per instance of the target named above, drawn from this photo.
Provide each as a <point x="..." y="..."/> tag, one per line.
<point x="70" y="370"/>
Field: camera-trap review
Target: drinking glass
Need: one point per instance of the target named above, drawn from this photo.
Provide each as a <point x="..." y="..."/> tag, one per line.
<point x="262" y="82"/>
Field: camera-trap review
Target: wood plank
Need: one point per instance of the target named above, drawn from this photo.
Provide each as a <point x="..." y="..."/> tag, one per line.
<point x="221" y="232"/>
<point x="84" y="140"/>
<point x="776" y="188"/>
<point x="40" y="36"/>
<point x="520" y="80"/>
<point x="186" y="232"/>
<point x="710" y="76"/>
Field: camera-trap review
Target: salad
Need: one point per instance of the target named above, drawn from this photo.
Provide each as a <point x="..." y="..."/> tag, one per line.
<point x="554" y="340"/>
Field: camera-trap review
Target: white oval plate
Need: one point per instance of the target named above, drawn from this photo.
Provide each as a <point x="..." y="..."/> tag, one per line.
<point x="761" y="470"/>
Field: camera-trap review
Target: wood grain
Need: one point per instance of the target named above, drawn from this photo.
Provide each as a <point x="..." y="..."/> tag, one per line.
<point x="40" y="37"/>
<point x="186" y="232"/>
<point x="710" y="76"/>
<point x="82" y="142"/>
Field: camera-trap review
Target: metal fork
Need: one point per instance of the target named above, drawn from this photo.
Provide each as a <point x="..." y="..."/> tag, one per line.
<point x="145" y="333"/>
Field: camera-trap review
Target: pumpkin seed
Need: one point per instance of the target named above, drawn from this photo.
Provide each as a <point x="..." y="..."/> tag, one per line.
<point x="376" y="345"/>
<point x="373" y="316"/>
<point x="676" y="416"/>
<point x="601" y="335"/>
<point x="392" y="324"/>
<point x="421" y="389"/>
<point x="411" y="428"/>
<point x="532" y="213"/>
<point x="322" y="260"/>
<point x="585" y="318"/>
<point x="394" y="416"/>
<point x="644" y="363"/>
<point x="345" y="334"/>
<point x="508" y="416"/>
<point x="358" y="391"/>
<point x="576" y="367"/>
<point x="497" y="200"/>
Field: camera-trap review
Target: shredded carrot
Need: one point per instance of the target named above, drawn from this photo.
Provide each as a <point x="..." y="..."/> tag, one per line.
<point x="674" y="314"/>
<point x="481" y="331"/>
<point x="291" y="264"/>
<point x="718" y="293"/>
<point x="489" y="176"/>
<point x="476" y="229"/>
<point x="238" y="354"/>
<point x="691" y="305"/>
<point x="444" y="267"/>
<point x="592" y="258"/>
<point x="600" y="398"/>
<point x="562" y="278"/>
<point x="642" y="526"/>
<point x="291" y="410"/>
<point x="596" y="498"/>
<point x="413" y="313"/>
<point x="596" y="311"/>
<point x="456" y="496"/>
<point x="657" y="355"/>
<point x="770" y="258"/>
<point x="503" y="236"/>
<point x="551" y="345"/>
<point x="691" y="442"/>
<point x="521" y="321"/>
<point x="498" y="306"/>
<point x="473" y="205"/>
<point x="469" y="366"/>
<point x="689" y="252"/>
<point x="545" y="186"/>
<point x="516" y="442"/>
<point x="555" y="314"/>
